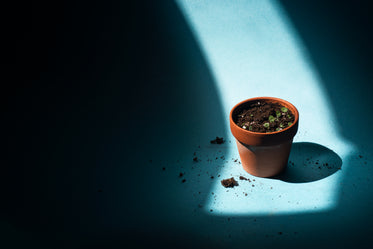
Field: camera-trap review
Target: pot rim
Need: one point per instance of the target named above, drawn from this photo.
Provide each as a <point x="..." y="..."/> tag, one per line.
<point x="274" y="99"/>
<point x="258" y="138"/>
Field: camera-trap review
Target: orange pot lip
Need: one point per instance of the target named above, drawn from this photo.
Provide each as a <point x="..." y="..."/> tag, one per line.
<point x="269" y="99"/>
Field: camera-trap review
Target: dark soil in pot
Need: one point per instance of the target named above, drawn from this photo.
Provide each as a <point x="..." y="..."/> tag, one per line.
<point x="263" y="117"/>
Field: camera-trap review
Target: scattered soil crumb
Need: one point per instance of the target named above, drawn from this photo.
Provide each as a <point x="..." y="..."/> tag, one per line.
<point x="360" y="156"/>
<point x="212" y="177"/>
<point x="217" y="140"/>
<point x="163" y="168"/>
<point x="181" y="174"/>
<point x="183" y="181"/>
<point x="279" y="233"/>
<point x="244" y="178"/>
<point x="229" y="182"/>
<point x="195" y="159"/>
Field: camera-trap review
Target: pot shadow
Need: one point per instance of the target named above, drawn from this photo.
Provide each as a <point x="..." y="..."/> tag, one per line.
<point x="310" y="162"/>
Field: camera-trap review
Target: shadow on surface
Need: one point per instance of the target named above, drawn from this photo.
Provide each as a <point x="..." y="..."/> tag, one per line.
<point x="310" y="162"/>
<point x="103" y="89"/>
<point x="339" y="37"/>
<point x="106" y="95"/>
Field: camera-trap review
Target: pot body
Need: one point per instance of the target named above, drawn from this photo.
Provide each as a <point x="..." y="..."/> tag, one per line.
<point x="264" y="154"/>
<point x="264" y="161"/>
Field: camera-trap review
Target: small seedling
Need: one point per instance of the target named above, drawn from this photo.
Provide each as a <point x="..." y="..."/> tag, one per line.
<point x="284" y="109"/>
<point x="259" y="119"/>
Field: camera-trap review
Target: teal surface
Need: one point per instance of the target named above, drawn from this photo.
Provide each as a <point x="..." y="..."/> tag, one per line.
<point x="108" y="132"/>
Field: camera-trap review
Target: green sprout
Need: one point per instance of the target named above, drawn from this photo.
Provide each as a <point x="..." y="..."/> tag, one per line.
<point x="251" y="115"/>
<point x="278" y="114"/>
<point x="290" y="123"/>
<point x="244" y="127"/>
<point x="289" y="116"/>
<point x="281" y="125"/>
<point x="278" y="129"/>
<point x="284" y="109"/>
<point x="266" y="125"/>
<point x="250" y="128"/>
<point x="271" y="119"/>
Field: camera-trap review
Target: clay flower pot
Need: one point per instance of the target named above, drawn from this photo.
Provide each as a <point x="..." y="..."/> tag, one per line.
<point x="264" y="154"/>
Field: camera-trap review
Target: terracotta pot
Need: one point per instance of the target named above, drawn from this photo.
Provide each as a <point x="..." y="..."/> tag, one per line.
<point x="264" y="154"/>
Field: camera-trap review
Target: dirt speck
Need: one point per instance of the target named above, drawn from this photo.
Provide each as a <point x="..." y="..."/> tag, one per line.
<point x="217" y="140"/>
<point x="229" y="182"/>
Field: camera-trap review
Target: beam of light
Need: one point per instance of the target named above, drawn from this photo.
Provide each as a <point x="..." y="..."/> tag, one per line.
<point x="253" y="50"/>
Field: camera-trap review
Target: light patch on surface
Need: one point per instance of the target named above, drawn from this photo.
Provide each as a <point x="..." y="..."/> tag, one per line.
<point x="253" y="50"/>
